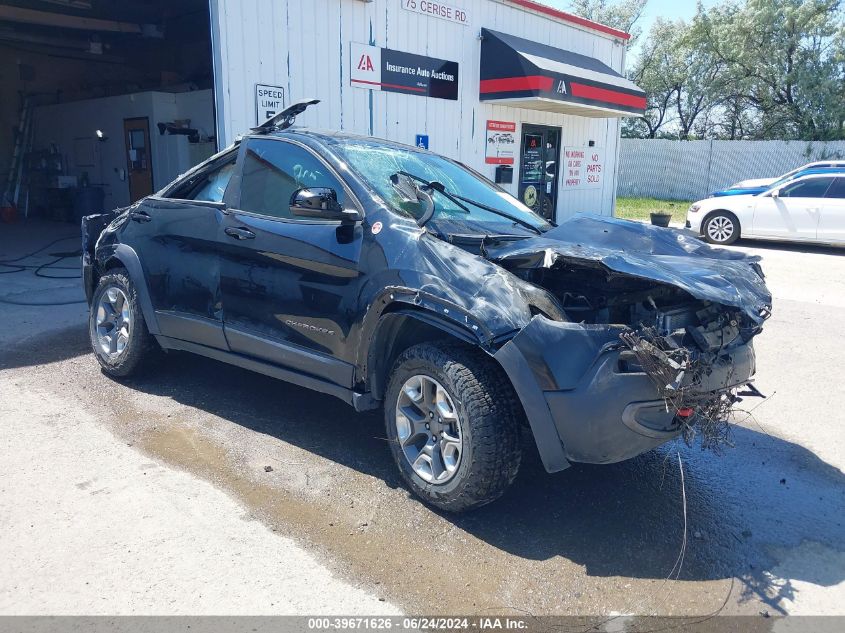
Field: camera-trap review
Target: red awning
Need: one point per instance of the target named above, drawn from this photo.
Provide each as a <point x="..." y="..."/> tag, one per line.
<point x="525" y="74"/>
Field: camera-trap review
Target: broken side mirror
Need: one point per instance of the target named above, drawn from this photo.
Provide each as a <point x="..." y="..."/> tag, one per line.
<point x="321" y="203"/>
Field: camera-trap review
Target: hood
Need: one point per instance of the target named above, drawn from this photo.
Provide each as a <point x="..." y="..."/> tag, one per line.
<point x="740" y="191"/>
<point x="738" y="197"/>
<point x="667" y="256"/>
<point x="753" y="182"/>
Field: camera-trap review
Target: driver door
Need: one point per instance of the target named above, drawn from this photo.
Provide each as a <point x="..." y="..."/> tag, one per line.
<point x="176" y="236"/>
<point x="794" y="213"/>
<point x="289" y="284"/>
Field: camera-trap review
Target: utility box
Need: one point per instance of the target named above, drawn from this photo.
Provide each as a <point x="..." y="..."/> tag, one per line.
<point x="504" y="175"/>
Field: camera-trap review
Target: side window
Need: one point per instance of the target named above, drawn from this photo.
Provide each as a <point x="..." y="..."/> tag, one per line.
<point x="273" y="170"/>
<point x="810" y="188"/>
<point x="215" y="184"/>
<point x="208" y="185"/>
<point x="837" y="189"/>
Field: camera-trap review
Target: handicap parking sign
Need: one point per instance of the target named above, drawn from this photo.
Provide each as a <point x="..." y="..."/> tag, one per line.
<point x="422" y="141"/>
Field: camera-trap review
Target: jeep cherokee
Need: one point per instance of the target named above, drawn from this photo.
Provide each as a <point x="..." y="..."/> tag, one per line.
<point x="389" y="276"/>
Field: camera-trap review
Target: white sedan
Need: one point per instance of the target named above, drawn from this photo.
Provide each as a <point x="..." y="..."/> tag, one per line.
<point x="809" y="209"/>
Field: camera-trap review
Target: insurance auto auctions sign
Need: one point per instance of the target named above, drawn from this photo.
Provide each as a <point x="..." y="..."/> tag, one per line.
<point x="385" y="69"/>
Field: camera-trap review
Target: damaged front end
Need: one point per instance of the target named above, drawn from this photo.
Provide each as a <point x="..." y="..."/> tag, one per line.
<point x="650" y="338"/>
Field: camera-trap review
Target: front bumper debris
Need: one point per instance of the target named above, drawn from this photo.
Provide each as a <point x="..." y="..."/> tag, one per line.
<point x="588" y="400"/>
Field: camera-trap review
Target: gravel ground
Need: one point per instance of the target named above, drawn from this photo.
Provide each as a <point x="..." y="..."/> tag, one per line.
<point x="194" y="520"/>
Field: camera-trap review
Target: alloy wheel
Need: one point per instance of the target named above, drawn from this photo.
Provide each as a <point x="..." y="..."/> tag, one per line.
<point x="428" y="429"/>
<point x="720" y="228"/>
<point x="113" y="322"/>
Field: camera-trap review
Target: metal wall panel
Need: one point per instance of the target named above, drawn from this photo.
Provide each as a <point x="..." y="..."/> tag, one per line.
<point x="691" y="170"/>
<point x="303" y="45"/>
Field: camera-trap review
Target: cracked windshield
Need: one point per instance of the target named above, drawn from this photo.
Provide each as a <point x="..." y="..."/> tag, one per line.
<point x="376" y="163"/>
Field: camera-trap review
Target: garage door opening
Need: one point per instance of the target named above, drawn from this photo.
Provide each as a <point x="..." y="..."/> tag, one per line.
<point x="101" y="102"/>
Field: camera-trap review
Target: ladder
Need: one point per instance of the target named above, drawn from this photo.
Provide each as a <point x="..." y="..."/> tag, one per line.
<point x="23" y="140"/>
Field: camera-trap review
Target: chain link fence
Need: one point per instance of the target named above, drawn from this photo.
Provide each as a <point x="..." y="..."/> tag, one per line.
<point x="691" y="170"/>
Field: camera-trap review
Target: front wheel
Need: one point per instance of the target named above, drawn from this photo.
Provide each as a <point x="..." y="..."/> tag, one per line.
<point x="721" y="228"/>
<point x="453" y="421"/>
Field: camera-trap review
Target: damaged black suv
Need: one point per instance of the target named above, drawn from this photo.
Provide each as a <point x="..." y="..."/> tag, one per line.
<point x="393" y="277"/>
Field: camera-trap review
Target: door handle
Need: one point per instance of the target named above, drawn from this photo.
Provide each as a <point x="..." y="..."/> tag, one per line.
<point x="139" y="216"/>
<point x="240" y="233"/>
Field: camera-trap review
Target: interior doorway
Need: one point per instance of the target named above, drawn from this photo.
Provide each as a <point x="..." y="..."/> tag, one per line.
<point x="539" y="168"/>
<point x="100" y="101"/>
<point x="138" y="160"/>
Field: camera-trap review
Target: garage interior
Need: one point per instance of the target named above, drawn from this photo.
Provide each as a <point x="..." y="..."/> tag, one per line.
<point x="101" y="102"/>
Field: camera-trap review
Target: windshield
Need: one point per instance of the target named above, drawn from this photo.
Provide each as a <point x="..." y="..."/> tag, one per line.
<point x="788" y="175"/>
<point x="376" y="163"/>
<point x="783" y="180"/>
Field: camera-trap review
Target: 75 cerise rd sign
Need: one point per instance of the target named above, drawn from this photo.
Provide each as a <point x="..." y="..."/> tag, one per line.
<point x="442" y="10"/>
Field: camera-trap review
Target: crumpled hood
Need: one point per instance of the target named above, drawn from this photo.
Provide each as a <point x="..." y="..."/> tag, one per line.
<point x="641" y="250"/>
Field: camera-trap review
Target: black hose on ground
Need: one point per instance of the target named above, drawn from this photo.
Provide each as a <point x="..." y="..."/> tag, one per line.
<point x="43" y="303"/>
<point x="17" y="267"/>
<point x="36" y="252"/>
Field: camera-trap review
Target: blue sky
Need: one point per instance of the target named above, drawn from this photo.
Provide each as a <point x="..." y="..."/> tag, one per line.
<point x="670" y="9"/>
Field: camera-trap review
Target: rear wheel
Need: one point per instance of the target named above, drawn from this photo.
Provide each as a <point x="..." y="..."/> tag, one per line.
<point x="453" y="421"/>
<point x="721" y="228"/>
<point x="119" y="335"/>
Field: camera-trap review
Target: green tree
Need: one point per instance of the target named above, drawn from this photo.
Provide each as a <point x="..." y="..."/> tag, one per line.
<point x="700" y="79"/>
<point x="681" y="79"/>
<point x="654" y="71"/>
<point x="782" y="59"/>
<point x="620" y="14"/>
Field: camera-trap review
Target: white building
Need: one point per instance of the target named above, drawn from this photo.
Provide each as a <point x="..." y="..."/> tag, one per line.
<point x="124" y="96"/>
<point x="554" y="84"/>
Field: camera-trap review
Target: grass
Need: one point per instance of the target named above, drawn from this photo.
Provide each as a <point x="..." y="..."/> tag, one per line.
<point x="640" y="208"/>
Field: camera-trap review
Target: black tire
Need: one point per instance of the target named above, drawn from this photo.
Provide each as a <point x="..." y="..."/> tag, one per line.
<point x="141" y="350"/>
<point x="721" y="228"/>
<point x="490" y="420"/>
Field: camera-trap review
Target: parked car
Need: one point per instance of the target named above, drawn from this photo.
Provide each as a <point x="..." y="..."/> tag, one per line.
<point x="390" y="276"/>
<point x="754" y="187"/>
<point x="808" y="209"/>
<point x="769" y="182"/>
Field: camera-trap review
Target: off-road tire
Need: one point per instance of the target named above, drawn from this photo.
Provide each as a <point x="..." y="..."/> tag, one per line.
<point x="490" y="414"/>
<point x="142" y="350"/>
<point x="709" y="227"/>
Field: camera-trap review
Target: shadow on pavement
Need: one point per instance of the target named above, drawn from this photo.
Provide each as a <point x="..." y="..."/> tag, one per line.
<point x="41" y="349"/>
<point x="795" y="247"/>
<point x="623" y="519"/>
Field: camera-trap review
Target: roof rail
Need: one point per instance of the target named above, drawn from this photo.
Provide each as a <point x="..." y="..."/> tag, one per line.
<point x="285" y="118"/>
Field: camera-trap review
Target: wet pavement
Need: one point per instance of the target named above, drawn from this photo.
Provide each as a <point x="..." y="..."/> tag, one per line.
<point x="757" y="528"/>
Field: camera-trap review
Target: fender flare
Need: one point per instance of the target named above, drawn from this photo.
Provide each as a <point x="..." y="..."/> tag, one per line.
<point x="394" y="302"/>
<point x="543" y="428"/>
<point x="132" y="263"/>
